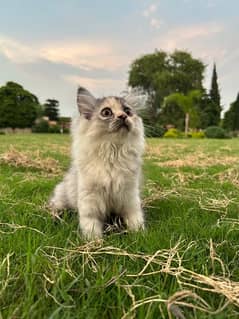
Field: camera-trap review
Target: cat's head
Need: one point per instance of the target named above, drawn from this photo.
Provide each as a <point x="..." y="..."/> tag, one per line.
<point x="108" y="115"/>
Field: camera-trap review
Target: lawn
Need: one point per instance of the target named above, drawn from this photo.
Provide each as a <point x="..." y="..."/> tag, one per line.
<point x="185" y="265"/>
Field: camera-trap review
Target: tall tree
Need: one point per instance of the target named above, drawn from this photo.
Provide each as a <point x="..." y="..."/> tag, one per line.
<point x="231" y="117"/>
<point x="215" y="97"/>
<point x="51" y="109"/>
<point x="18" y="107"/>
<point x="160" y="74"/>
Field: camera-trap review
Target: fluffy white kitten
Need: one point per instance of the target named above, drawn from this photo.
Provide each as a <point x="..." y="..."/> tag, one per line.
<point x="104" y="177"/>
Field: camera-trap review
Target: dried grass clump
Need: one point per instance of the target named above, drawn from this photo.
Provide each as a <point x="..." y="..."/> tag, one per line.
<point x="231" y="175"/>
<point x="162" y="150"/>
<point x="199" y="160"/>
<point x="17" y="158"/>
<point x="193" y="285"/>
<point x="155" y="192"/>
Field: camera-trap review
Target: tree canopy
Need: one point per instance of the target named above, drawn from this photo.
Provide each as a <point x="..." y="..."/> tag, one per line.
<point x="161" y="74"/>
<point x="18" y="107"/>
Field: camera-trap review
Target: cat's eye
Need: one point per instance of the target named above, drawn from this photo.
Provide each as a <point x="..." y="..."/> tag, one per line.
<point x="106" y="112"/>
<point x="128" y="111"/>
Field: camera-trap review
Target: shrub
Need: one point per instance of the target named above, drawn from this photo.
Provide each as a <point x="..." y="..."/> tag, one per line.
<point x="215" y="132"/>
<point x="199" y="134"/>
<point x="155" y="130"/>
<point x="41" y="127"/>
<point x="172" y="132"/>
<point x="54" y="129"/>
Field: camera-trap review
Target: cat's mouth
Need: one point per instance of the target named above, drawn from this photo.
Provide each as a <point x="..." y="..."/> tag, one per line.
<point x="124" y="126"/>
<point x="121" y="125"/>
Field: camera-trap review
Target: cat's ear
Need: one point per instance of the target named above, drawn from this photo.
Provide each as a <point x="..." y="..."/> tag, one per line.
<point x="86" y="102"/>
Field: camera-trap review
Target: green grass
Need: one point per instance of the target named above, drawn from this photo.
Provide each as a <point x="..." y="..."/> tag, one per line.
<point x="191" y="198"/>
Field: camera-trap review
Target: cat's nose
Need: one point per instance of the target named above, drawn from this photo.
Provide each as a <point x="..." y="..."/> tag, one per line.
<point x="122" y="116"/>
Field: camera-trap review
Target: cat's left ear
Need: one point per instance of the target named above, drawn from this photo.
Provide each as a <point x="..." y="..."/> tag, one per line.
<point x="86" y="102"/>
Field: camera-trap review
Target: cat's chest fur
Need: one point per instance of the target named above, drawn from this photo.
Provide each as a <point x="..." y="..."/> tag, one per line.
<point x="109" y="166"/>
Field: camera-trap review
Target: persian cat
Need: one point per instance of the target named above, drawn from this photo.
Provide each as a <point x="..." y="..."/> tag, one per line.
<point x="104" y="177"/>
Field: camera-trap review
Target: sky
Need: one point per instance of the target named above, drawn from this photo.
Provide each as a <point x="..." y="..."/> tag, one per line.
<point x="52" y="46"/>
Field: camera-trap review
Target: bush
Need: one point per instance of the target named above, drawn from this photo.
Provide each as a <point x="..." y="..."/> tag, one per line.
<point x="54" y="129"/>
<point x="173" y="133"/>
<point x="155" y="130"/>
<point x="215" y="132"/>
<point x="199" y="134"/>
<point x="41" y="127"/>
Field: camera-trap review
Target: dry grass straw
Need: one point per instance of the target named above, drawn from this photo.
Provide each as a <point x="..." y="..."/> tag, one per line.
<point x="200" y="160"/>
<point x="178" y="159"/>
<point x="231" y="175"/>
<point x="31" y="160"/>
<point x="193" y="285"/>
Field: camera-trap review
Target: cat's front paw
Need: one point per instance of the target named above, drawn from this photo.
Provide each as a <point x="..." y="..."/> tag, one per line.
<point x="135" y="223"/>
<point x="91" y="228"/>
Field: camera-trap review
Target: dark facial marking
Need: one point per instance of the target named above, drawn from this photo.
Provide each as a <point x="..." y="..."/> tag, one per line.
<point x="127" y="110"/>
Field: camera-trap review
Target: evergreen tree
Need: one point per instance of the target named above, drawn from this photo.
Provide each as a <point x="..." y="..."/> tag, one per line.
<point x="51" y="109"/>
<point x="231" y="118"/>
<point x="215" y="98"/>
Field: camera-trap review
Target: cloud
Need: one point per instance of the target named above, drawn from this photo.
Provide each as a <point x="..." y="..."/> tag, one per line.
<point x="155" y="23"/>
<point x="149" y="14"/>
<point x="102" y="86"/>
<point x="16" y="51"/>
<point x="81" y="54"/>
<point x="150" y="10"/>
<point x="186" y="35"/>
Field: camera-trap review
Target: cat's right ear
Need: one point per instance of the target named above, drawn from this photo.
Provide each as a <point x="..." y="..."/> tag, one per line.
<point x="86" y="102"/>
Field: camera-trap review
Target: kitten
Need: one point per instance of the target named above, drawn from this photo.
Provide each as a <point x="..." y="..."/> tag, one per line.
<point x="104" y="177"/>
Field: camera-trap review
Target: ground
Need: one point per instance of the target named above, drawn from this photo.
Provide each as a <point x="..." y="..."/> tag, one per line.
<point x="185" y="265"/>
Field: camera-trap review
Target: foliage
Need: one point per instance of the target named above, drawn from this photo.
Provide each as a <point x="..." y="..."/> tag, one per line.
<point x="51" y="109"/>
<point x="54" y="129"/>
<point x="187" y="104"/>
<point x="173" y="133"/>
<point x="151" y="129"/>
<point x="215" y="132"/>
<point x="41" y="127"/>
<point x="161" y="74"/>
<point x="209" y="114"/>
<point x="18" y="107"/>
<point x="172" y="115"/>
<point x="196" y="134"/>
<point x="154" y="130"/>
<point x="231" y="117"/>
<point x="215" y="98"/>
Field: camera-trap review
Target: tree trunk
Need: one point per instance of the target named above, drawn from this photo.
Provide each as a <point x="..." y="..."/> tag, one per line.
<point x="186" y="124"/>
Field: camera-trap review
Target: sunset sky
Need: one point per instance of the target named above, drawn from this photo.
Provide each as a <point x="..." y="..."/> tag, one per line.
<point x="52" y="46"/>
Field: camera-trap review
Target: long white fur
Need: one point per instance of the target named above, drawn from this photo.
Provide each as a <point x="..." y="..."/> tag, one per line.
<point x="104" y="176"/>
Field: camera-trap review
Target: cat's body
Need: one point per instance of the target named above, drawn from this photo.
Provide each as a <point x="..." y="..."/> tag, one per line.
<point x="106" y="165"/>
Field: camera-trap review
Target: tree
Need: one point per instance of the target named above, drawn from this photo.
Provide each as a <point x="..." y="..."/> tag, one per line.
<point x="160" y="74"/>
<point x="18" y="107"/>
<point x="215" y="98"/>
<point x="231" y="117"/>
<point x="51" y="109"/>
<point x="187" y="103"/>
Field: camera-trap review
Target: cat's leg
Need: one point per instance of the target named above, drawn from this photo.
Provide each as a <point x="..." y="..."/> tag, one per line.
<point x="65" y="193"/>
<point x="133" y="214"/>
<point x="91" y="214"/>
